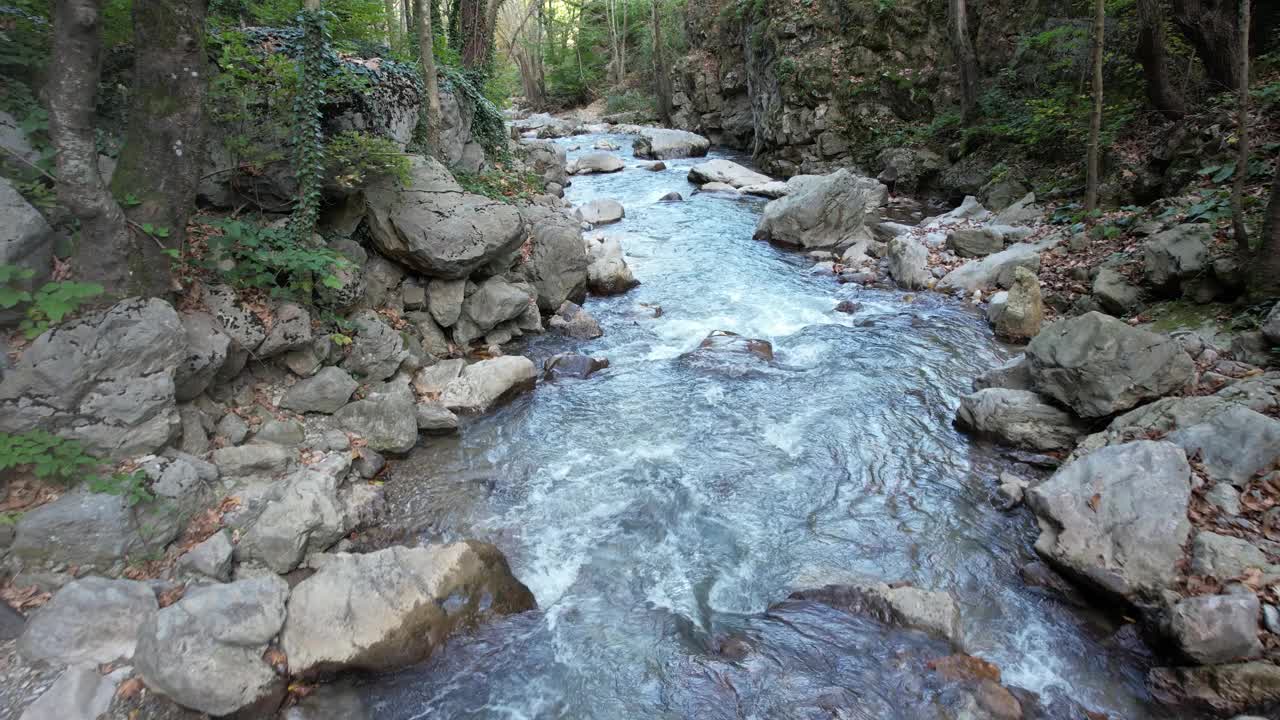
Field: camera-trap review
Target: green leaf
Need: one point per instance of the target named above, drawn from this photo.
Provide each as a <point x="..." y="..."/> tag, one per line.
<point x="1225" y="173"/>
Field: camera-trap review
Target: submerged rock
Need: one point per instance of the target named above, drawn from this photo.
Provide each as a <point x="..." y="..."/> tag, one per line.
<point x="423" y="596"/>
<point x="724" y="341"/>
<point x="1019" y="418"/>
<point x="572" y="365"/>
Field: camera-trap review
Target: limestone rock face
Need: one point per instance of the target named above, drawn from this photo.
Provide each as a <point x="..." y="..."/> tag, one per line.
<point x="833" y="211"/>
<point x="434" y="227"/>
<point x="205" y="651"/>
<point x="1098" y="365"/>
<point x="423" y="596"/>
<point x="26" y="240"/>
<point x="1117" y="517"/>
<point x="106" y="380"/>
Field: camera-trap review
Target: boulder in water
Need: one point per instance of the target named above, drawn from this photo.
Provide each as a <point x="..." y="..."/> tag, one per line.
<point x="725" y="171"/>
<point x="1019" y="418"/>
<point x="572" y="320"/>
<point x="607" y="271"/>
<point x="601" y="211"/>
<point x="556" y="265"/>
<point x="908" y="263"/>
<point x="573" y="365"/>
<point x="596" y="162"/>
<point x="423" y="596"/>
<point x="481" y="386"/>
<point x="664" y="144"/>
<point x="833" y="211"/>
<point x="724" y="341"/>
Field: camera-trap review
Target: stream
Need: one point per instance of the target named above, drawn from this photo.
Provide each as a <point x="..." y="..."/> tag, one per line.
<point x="659" y="508"/>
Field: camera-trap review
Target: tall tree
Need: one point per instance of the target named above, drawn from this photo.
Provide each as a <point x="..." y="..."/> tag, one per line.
<point x="427" y="62"/>
<point x="1265" y="263"/>
<point x="1211" y="25"/>
<point x="159" y="162"/>
<point x="1095" y="116"/>
<point x="393" y="20"/>
<point x="661" y="71"/>
<point x="966" y="59"/>
<point x="1155" y="67"/>
<point x="1242" y="133"/>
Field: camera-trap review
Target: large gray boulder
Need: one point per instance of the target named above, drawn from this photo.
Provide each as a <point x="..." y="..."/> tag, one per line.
<point x="489" y="304"/>
<point x="92" y="621"/>
<point x="1115" y="293"/>
<point x="106" y="380"/>
<point x="1177" y="254"/>
<point x="26" y="241"/>
<point x="1098" y="365"/>
<point x="663" y="144"/>
<point x="548" y="160"/>
<point x="290" y="330"/>
<point x="834" y="211"/>
<point x="207" y="348"/>
<point x="386" y="420"/>
<point x="975" y="242"/>
<point x="422" y="596"/>
<point x="1217" y="628"/>
<point x="556" y="266"/>
<point x="607" y="270"/>
<point x="725" y="171"/>
<point x="1233" y="445"/>
<point x="81" y="528"/>
<point x="1117" y="518"/>
<point x="302" y="513"/>
<point x="483" y="385"/>
<point x="436" y="228"/>
<point x="325" y="392"/>
<point x="444" y="300"/>
<point x="908" y="263"/>
<point x="376" y="350"/>
<point x="205" y="651"/>
<point x="997" y="269"/>
<point x="1019" y="418"/>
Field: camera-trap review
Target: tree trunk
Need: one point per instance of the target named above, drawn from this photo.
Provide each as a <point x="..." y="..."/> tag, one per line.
<point x="160" y="160"/>
<point x="1265" y="264"/>
<point x="661" y="73"/>
<point x="1210" y="25"/>
<point x="1151" y="53"/>
<point x="393" y="21"/>
<point x="471" y="24"/>
<point x="966" y="60"/>
<point x="1242" y="136"/>
<point x="1095" y="118"/>
<point x="427" y="59"/>
<point x="104" y="252"/>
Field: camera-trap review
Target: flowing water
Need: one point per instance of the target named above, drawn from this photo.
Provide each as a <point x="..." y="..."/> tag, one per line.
<point x="657" y="509"/>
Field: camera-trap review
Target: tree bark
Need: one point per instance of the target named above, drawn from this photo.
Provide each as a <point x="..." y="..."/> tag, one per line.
<point x="1095" y="118"/>
<point x="430" y="83"/>
<point x="160" y="161"/>
<point x="393" y="22"/>
<point x="471" y="24"/>
<point x="1155" y="67"/>
<point x="966" y="60"/>
<point x="104" y="252"/>
<point x="1242" y="135"/>
<point x="1210" y="25"/>
<point x="661" y="73"/>
<point x="1265" y="263"/>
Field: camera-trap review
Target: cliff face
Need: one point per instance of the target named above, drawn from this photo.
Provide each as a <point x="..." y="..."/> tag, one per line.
<point x="809" y="86"/>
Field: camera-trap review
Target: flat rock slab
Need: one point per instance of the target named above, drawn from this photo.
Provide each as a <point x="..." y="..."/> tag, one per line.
<point x="725" y="171"/>
<point x="664" y="144"/>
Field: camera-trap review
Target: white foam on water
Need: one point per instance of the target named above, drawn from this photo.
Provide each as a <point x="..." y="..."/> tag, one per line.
<point x="1035" y="667"/>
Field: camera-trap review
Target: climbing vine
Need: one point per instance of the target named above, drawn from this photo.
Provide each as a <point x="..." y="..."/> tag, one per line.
<point x="315" y="65"/>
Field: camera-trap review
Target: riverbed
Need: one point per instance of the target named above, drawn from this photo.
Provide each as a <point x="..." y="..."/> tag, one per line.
<point x="659" y="508"/>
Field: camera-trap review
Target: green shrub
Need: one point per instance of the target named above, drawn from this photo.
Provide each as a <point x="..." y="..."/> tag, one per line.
<point x="48" y="305"/>
<point x="48" y="456"/>
<point x="501" y="184"/>
<point x="251" y="257"/>
<point x="354" y="158"/>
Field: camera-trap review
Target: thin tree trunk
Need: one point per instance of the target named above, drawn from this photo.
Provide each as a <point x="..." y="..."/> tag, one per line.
<point x="1095" y="118"/>
<point x="160" y="160"/>
<point x="1242" y="136"/>
<point x="622" y="44"/>
<point x="661" y="73"/>
<point x="103" y="253"/>
<point x="966" y="60"/>
<point x="1265" y="263"/>
<point x="472" y="25"/>
<point x="1155" y="67"/>
<point x="393" y="22"/>
<point x="427" y="61"/>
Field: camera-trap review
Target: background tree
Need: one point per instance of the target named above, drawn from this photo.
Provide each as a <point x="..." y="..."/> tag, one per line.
<point x="661" y="70"/>
<point x="430" y="122"/>
<point x="966" y="58"/>
<point x="1242" y="133"/>
<point x="1152" y="53"/>
<point x="1265" y="264"/>
<point x="1093" y="171"/>
<point x="1210" y="26"/>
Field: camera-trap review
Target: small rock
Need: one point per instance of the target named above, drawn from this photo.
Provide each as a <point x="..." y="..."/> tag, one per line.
<point x="1011" y="490"/>
<point x="436" y="419"/>
<point x="368" y="463"/>
<point x="286" y="433"/>
<point x="326" y="392"/>
<point x="572" y="365"/>
<point x="1225" y="498"/>
<point x="572" y="320"/>
<point x="601" y="211"/>
<point x="211" y="558"/>
<point x="1217" y="628"/>
<point x="233" y="428"/>
<point x="671" y="197"/>
<point x="255" y="459"/>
